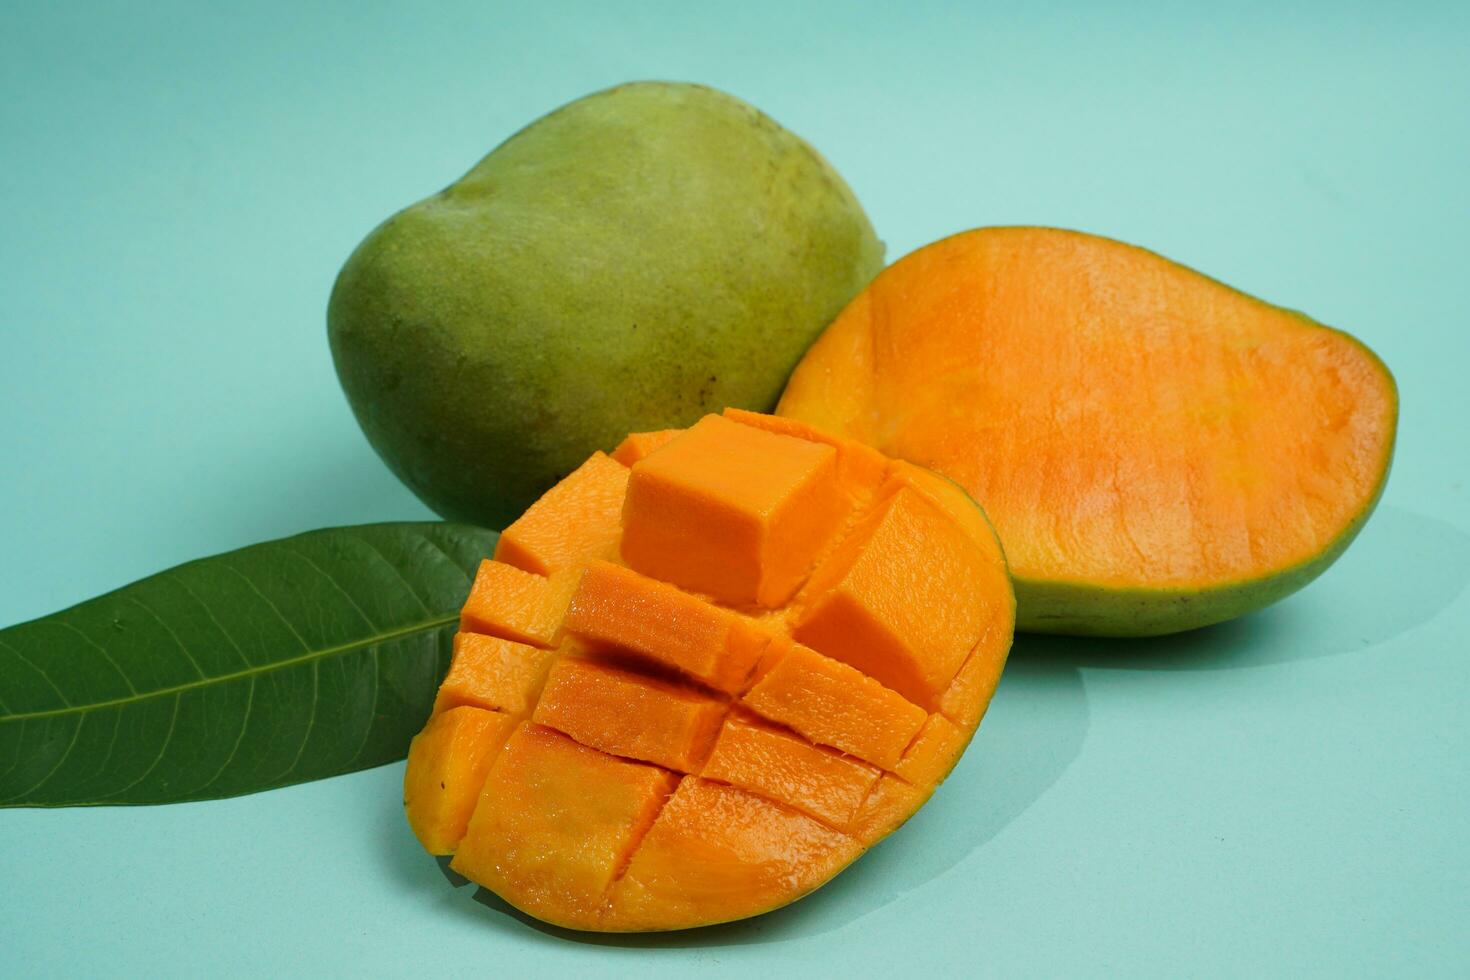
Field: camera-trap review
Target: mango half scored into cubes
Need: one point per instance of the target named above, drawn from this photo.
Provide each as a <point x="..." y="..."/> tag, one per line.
<point x="702" y="675"/>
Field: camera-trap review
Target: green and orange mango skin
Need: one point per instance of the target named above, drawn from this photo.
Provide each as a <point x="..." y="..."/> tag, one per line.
<point x="629" y="262"/>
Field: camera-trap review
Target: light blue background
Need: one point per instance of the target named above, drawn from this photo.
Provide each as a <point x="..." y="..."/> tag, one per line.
<point x="1286" y="795"/>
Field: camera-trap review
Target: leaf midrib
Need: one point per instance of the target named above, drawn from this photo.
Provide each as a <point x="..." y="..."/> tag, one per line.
<point x="305" y="658"/>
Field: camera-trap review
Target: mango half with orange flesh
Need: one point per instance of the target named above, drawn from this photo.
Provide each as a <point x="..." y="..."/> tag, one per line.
<point x="1157" y="450"/>
<point x="702" y="675"/>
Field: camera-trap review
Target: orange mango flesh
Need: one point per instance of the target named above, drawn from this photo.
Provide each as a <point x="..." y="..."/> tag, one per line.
<point x="892" y="801"/>
<point x="860" y="468"/>
<point x="448" y="763"/>
<point x="617" y="609"/>
<point x="932" y="753"/>
<point x="785" y="767"/>
<point x="580" y="516"/>
<point x="732" y="511"/>
<point x="911" y="636"/>
<point x="684" y="746"/>
<point x="833" y="704"/>
<point x="1156" y="450"/>
<point x="521" y="606"/>
<point x="640" y="444"/>
<point x="723" y="851"/>
<point x="624" y="713"/>
<point x="488" y="672"/>
<point x="556" y="823"/>
<point x="972" y="688"/>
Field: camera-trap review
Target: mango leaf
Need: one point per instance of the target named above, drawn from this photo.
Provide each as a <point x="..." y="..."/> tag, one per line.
<point x="286" y="661"/>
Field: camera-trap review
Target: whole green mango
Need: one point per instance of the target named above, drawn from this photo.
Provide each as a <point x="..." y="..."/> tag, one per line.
<point x="632" y="261"/>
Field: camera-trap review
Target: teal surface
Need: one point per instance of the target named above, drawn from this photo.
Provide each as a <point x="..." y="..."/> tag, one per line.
<point x="1283" y="796"/>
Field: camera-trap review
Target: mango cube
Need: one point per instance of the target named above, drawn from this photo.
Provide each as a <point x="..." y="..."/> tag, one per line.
<point x="732" y="511"/>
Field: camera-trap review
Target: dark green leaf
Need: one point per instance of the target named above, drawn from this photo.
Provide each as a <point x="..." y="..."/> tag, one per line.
<point x="275" y="664"/>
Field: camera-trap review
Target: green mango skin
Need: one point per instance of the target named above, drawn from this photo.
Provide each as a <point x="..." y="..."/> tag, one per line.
<point x="630" y="262"/>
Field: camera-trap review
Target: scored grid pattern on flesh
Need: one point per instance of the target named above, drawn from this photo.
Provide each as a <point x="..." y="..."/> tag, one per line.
<point x="862" y="823"/>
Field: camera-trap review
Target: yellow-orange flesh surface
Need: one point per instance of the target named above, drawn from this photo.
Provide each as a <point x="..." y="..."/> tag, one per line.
<point x="1156" y="450"/>
<point x="704" y="673"/>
